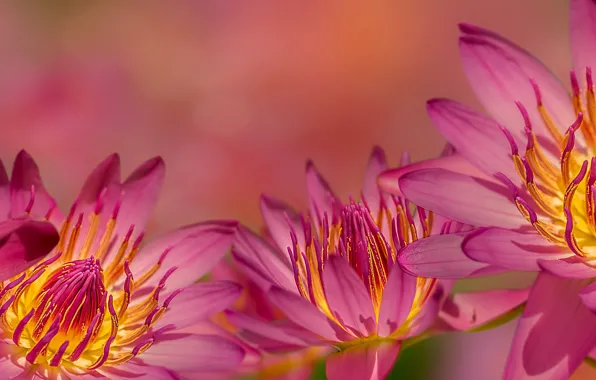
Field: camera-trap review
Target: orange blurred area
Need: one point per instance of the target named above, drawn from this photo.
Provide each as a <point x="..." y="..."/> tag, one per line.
<point x="236" y="95"/>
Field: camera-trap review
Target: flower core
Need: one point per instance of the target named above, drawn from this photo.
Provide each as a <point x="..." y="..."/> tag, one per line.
<point x="560" y="178"/>
<point x="81" y="308"/>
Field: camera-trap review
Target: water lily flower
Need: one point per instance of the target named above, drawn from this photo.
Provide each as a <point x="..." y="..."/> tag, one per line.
<point x="334" y="275"/>
<point x="530" y="179"/>
<point x="102" y="304"/>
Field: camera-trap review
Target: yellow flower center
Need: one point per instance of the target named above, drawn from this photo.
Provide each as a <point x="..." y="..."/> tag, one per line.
<point x="563" y="194"/>
<point x="82" y="307"/>
<point x="369" y="244"/>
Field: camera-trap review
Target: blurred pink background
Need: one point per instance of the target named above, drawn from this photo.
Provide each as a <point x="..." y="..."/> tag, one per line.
<point x="237" y="94"/>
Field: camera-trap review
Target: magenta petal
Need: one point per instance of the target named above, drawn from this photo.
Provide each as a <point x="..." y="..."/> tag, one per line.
<point x="441" y="256"/>
<point x="570" y="267"/>
<point x="140" y="192"/>
<point x="261" y="262"/>
<point x="475" y="136"/>
<point x="510" y="249"/>
<point x="23" y="243"/>
<point x="588" y="296"/>
<point x="5" y="201"/>
<point x="348" y="299"/>
<point x="131" y="371"/>
<point x="389" y="179"/>
<point x="200" y="301"/>
<point x="500" y="72"/>
<point x="377" y="163"/>
<point x="305" y="314"/>
<point x="582" y="29"/>
<point x="464" y="311"/>
<point x="25" y="177"/>
<point x="320" y="196"/>
<point x="194" y="353"/>
<point x="365" y="361"/>
<point x="555" y="333"/>
<point x="280" y="219"/>
<point x="396" y="303"/>
<point x="194" y="250"/>
<point x="462" y="198"/>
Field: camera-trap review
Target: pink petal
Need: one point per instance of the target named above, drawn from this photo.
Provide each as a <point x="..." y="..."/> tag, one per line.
<point x="261" y="262"/>
<point x="279" y="217"/>
<point x="475" y="136"/>
<point x="371" y="361"/>
<point x="570" y="267"/>
<point x="462" y="198"/>
<point x="510" y="249"/>
<point x="272" y="333"/>
<point x="25" y="177"/>
<point x="588" y="296"/>
<point x="441" y="256"/>
<point x="348" y="299"/>
<point x="133" y="371"/>
<point x="198" y="353"/>
<point x="23" y="243"/>
<point x="377" y="163"/>
<point x="5" y="201"/>
<point x="396" y="303"/>
<point x="500" y="71"/>
<point x="103" y="181"/>
<point x="389" y="179"/>
<point x="193" y="249"/>
<point x="304" y="314"/>
<point x="582" y="29"/>
<point x="465" y="311"/>
<point x="140" y="193"/>
<point x="200" y="301"/>
<point x="320" y="196"/>
<point x="555" y="333"/>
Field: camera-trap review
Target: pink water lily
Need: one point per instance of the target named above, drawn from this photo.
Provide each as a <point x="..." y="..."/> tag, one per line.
<point x="102" y="304"/>
<point x="532" y="185"/>
<point x="333" y="273"/>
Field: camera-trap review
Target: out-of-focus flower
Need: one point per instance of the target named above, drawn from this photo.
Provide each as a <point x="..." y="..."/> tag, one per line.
<point x="531" y="178"/>
<point x="101" y="306"/>
<point x="336" y="279"/>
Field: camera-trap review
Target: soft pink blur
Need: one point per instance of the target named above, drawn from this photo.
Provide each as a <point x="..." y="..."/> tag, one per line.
<point x="235" y="95"/>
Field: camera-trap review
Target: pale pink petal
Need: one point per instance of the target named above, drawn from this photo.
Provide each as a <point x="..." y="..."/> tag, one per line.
<point x="280" y="219"/>
<point x="198" y="353"/>
<point x="377" y="163"/>
<point x="500" y="72"/>
<point x="441" y="256"/>
<point x="261" y="262"/>
<point x="555" y="333"/>
<point x="305" y="314"/>
<point x="511" y="249"/>
<point x="140" y="192"/>
<point x="427" y="317"/>
<point x="389" y="179"/>
<point x="570" y="267"/>
<point x="371" y="361"/>
<point x="582" y="30"/>
<point x="194" y="250"/>
<point x="462" y="198"/>
<point x="321" y="198"/>
<point x="465" y="311"/>
<point x="200" y="301"/>
<point x="23" y="243"/>
<point x="396" y="303"/>
<point x="475" y="136"/>
<point x="348" y="299"/>
<point x="25" y="180"/>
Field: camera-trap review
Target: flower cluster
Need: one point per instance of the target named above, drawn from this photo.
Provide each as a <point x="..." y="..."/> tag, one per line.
<point x="352" y="281"/>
